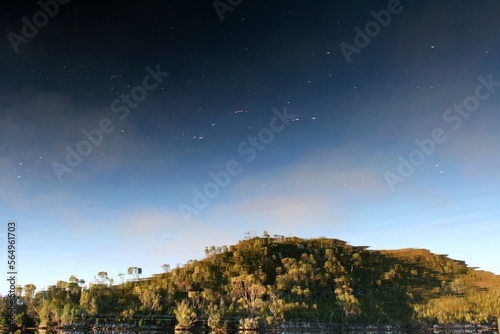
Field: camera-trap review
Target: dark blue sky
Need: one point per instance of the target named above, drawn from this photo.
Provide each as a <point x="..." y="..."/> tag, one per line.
<point x="261" y="124"/>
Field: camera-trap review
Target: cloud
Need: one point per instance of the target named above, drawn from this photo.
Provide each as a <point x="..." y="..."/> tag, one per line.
<point x="317" y="190"/>
<point x="289" y="214"/>
<point x="148" y="221"/>
<point x="325" y="172"/>
<point x="37" y="126"/>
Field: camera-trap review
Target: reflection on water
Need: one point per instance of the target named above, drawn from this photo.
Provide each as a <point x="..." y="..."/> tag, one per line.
<point x="456" y="330"/>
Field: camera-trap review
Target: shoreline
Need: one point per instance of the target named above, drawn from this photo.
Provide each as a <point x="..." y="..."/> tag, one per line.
<point x="201" y="326"/>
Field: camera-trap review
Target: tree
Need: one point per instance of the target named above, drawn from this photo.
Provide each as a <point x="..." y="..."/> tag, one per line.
<point x="134" y="272"/>
<point x="103" y="277"/>
<point x="275" y="304"/>
<point x="70" y="313"/>
<point x="248" y="290"/>
<point x="18" y="291"/>
<point x="73" y="285"/>
<point x="347" y="302"/>
<point x="149" y="296"/>
<point x="121" y="276"/>
<point x="184" y="314"/>
<point x="88" y="303"/>
<point x="29" y="293"/>
<point x="214" y="320"/>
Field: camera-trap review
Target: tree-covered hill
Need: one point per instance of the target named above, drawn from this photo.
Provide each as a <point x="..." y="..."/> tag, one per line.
<point x="270" y="279"/>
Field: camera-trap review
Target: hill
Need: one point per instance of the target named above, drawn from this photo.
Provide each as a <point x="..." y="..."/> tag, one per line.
<point x="278" y="278"/>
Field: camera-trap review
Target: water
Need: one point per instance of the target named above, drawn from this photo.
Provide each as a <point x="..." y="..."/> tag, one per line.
<point x="368" y="330"/>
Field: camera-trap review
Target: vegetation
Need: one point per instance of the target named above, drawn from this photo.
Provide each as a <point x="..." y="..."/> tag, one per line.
<point x="265" y="280"/>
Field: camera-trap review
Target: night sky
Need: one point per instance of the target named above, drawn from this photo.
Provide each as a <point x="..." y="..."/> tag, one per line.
<point x="137" y="133"/>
